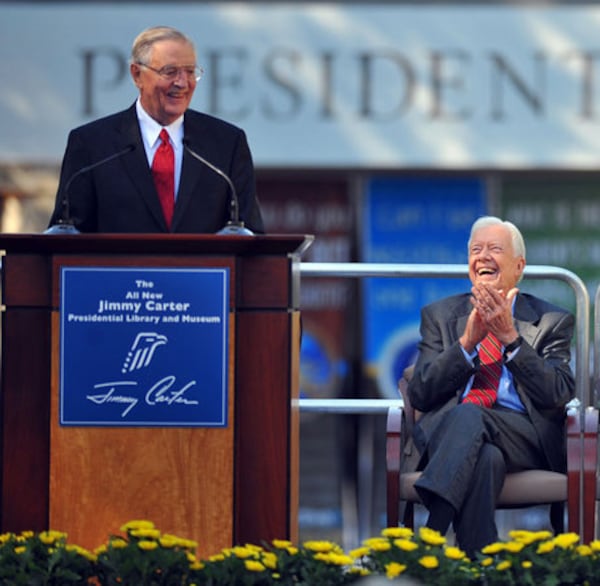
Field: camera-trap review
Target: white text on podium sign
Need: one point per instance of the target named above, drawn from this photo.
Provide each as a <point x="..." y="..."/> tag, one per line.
<point x="143" y="347"/>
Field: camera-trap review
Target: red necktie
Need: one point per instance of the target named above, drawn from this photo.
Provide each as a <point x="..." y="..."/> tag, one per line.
<point x="485" y="384"/>
<point x="163" y="171"/>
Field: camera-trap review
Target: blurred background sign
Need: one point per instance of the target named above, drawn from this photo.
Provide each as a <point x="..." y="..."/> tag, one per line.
<point x="411" y="220"/>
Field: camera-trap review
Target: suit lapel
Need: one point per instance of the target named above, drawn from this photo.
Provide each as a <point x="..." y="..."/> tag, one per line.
<point x="191" y="170"/>
<point x="194" y="172"/>
<point x="458" y="322"/>
<point x="526" y="318"/>
<point x="138" y="169"/>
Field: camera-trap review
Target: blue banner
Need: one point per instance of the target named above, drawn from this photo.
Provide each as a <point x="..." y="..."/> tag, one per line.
<point x="417" y="220"/>
<point x="143" y="347"/>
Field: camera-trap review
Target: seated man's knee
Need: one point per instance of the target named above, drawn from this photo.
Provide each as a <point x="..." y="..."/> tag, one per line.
<point x="467" y="414"/>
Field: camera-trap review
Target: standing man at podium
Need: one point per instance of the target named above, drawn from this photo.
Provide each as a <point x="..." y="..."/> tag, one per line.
<point x="158" y="166"/>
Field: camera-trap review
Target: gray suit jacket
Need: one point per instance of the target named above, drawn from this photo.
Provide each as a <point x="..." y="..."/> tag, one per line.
<point x="540" y="369"/>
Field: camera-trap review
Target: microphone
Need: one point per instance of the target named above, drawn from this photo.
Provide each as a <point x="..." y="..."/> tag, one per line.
<point x="65" y="224"/>
<point x="234" y="226"/>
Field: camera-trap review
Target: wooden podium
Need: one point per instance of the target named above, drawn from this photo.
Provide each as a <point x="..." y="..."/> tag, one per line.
<point x="233" y="485"/>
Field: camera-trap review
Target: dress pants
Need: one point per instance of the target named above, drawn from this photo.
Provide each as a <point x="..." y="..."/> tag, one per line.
<point x="468" y="456"/>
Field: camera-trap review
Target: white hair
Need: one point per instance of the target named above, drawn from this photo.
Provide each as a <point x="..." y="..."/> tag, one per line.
<point x="515" y="234"/>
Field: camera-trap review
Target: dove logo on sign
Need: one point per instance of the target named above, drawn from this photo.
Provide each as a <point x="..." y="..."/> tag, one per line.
<point x="142" y="350"/>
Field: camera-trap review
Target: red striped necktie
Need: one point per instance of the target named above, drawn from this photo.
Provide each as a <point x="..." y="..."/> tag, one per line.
<point x="163" y="171"/>
<point x="485" y="384"/>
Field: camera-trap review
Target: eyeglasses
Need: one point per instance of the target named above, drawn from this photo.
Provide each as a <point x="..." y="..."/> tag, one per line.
<point x="171" y="72"/>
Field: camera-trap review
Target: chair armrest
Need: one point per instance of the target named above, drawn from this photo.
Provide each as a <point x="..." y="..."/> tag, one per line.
<point x="574" y="464"/>
<point x="393" y="455"/>
<point x="590" y="463"/>
<point x="409" y="411"/>
<point x="582" y="461"/>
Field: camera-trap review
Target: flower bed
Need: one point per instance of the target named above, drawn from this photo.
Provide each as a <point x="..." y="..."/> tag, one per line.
<point x="142" y="556"/>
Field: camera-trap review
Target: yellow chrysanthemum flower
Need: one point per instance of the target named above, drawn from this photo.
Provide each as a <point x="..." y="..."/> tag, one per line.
<point x="81" y="551"/>
<point x="292" y="550"/>
<point x="335" y="559"/>
<point x="168" y="541"/>
<point x="584" y="550"/>
<point x="429" y="561"/>
<point x="520" y="535"/>
<point x="566" y="540"/>
<point x="397" y="532"/>
<point x="504" y="565"/>
<point x="493" y="548"/>
<point x="269" y="559"/>
<point x="137" y="524"/>
<point x="526" y="564"/>
<point x="147" y="545"/>
<point x="595" y="545"/>
<point x="51" y="537"/>
<point x="243" y="552"/>
<point x="431" y="537"/>
<point x="281" y="543"/>
<point x="254" y="566"/>
<point x="394" y="569"/>
<point x="188" y="544"/>
<point x="381" y="546"/>
<point x="20" y="549"/>
<point x="405" y="544"/>
<point x="5" y="537"/>
<point x="101" y="549"/>
<point x="359" y="552"/>
<point x="454" y="553"/>
<point x="320" y="546"/>
<point x="117" y="543"/>
<point x="546" y="547"/>
<point x="528" y="537"/>
<point x="146" y="533"/>
<point x="485" y="562"/>
<point x="514" y="546"/>
<point x="218" y="557"/>
<point x="373" y="540"/>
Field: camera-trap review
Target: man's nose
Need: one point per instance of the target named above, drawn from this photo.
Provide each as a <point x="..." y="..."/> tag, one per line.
<point x="182" y="79"/>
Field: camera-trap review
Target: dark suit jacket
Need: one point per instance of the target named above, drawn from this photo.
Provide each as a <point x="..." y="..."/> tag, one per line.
<point x="540" y="369"/>
<point x="119" y="196"/>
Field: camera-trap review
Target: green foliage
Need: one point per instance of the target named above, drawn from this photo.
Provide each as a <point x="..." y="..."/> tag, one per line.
<point x="43" y="559"/>
<point x="142" y="556"/>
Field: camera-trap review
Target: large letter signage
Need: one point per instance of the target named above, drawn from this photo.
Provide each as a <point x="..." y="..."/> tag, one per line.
<point x="143" y="347"/>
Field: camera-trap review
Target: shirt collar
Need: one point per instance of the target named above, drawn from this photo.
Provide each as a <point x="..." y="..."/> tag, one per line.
<point x="150" y="128"/>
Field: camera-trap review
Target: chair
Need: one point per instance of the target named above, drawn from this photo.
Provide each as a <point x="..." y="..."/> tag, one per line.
<point x="521" y="489"/>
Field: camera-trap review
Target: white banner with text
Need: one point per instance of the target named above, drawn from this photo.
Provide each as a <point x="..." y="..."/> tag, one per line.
<point x="325" y="85"/>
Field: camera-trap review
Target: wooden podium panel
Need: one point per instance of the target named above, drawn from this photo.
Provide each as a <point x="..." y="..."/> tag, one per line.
<point x="113" y="475"/>
<point x="218" y="486"/>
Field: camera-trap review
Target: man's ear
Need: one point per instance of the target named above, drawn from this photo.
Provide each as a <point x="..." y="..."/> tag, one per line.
<point x="521" y="263"/>
<point x="512" y="293"/>
<point x="135" y="71"/>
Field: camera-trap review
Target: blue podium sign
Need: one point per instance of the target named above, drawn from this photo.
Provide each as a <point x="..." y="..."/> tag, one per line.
<point x="143" y="346"/>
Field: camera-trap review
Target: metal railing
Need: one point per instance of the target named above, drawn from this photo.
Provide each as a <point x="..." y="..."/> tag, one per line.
<point x="596" y="351"/>
<point x="362" y="270"/>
